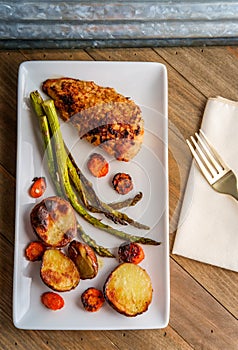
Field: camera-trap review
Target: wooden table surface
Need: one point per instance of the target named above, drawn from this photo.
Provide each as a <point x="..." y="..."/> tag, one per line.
<point x="204" y="298"/>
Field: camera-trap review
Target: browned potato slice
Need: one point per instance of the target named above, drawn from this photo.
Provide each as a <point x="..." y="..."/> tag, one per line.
<point x="84" y="258"/>
<point x="53" y="220"/>
<point x="128" y="289"/>
<point x="58" y="271"/>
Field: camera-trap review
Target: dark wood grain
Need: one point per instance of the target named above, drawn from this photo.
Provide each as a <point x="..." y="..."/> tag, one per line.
<point x="203" y="298"/>
<point x="209" y="69"/>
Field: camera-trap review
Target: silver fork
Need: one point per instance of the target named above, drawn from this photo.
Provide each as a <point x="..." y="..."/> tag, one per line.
<point x="217" y="173"/>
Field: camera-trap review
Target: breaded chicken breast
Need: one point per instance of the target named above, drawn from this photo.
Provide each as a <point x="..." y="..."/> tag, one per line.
<point x="102" y="116"/>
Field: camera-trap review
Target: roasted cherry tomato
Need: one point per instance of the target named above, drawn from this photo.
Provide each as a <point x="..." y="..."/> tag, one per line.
<point x="92" y="299"/>
<point x="52" y="300"/>
<point x="122" y="183"/>
<point x="35" y="250"/>
<point x="131" y="252"/>
<point x="38" y="187"/>
<point x="97" y="165"/>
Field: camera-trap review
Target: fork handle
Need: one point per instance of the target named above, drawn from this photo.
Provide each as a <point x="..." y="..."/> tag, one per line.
<point x="227" y="185"/>
<point x="235" y="196"/>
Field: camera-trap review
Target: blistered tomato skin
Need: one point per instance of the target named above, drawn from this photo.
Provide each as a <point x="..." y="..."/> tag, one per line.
<point x="92" y="299"/>
<point x="122" y="183"/>
<point x="131" y="253"/>
<point x="97" y="165"/>
<point x="38" y="187"/>
<point x="34" y="251"/>
<point x="52" y="301"/>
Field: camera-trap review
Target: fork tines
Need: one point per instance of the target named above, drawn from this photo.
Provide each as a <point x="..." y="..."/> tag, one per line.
<point x="207" y="158"/>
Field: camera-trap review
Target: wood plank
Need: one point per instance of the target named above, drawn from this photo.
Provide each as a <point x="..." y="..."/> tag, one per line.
<point x="166" y="339"/>
<point x="8" y="123"/>
<point x="124" y="54"/>
<point x="7" y="205"/>
<point x="210" y="69"/>
<point x="57" y="54"/>
<point x="197" y="316"/>
<point x="220" y="283"/>
<point x="6" y="274"/>
<point x="8" y="141"/>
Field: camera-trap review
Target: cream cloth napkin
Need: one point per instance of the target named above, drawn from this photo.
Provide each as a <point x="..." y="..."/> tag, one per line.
<point x="208" y="225"/>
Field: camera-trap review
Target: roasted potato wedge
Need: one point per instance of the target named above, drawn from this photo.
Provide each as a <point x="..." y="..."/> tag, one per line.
<point x="58" y="271"/>
<point x="128" y="289"/>
<point x="54" y="221"/>
<point x="84" y="258"/>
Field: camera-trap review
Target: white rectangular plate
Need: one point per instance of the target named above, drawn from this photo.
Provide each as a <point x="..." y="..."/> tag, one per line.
<point x="146" y="84"/>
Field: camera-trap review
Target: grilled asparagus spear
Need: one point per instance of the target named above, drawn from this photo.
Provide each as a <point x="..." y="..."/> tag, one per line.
<point x="36" y="101"/>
